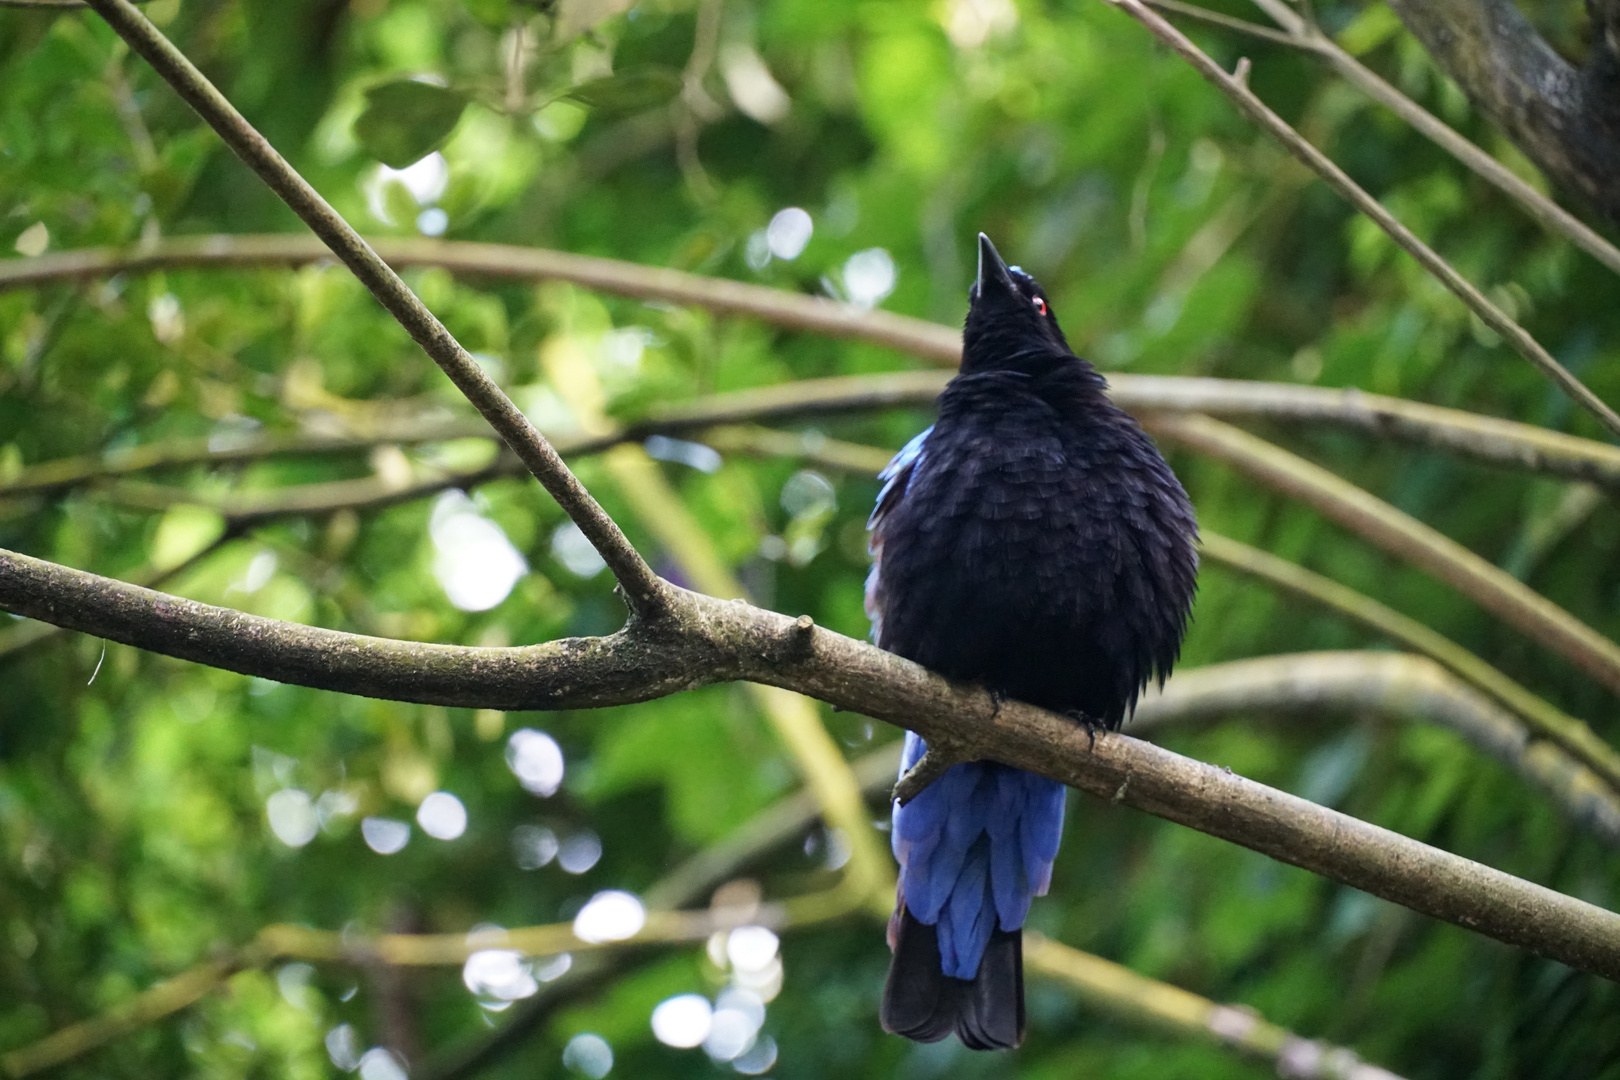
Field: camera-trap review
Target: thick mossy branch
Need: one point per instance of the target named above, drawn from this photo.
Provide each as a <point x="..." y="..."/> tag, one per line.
<point x="704" y="640"/>
<point x="636" y="664"/>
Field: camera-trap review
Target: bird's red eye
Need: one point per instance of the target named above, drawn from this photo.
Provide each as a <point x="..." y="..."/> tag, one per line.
<point x="1040" y="305"/>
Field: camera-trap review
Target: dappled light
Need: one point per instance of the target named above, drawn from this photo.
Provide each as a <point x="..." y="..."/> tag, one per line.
<point x="292" y="817"/>
<point x="498" y="977"/>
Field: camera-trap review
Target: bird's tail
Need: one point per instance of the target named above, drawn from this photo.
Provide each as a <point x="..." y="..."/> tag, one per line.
<point x="921" y="1002"/>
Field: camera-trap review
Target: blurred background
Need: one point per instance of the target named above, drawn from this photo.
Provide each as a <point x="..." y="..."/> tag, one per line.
<point x="153" y="812"/>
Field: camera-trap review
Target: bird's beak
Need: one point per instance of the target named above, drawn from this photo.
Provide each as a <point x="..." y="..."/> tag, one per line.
<point x="993" y="276"/>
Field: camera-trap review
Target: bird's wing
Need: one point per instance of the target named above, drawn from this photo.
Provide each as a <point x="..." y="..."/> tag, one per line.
<point x="896" y="477"/>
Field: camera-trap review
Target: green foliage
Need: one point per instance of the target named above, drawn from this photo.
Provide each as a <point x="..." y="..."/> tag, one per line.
<point x="405" y="121"/>
<point x="136" y="792"/>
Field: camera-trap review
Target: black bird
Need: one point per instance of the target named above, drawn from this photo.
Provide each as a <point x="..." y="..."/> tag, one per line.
<point x="1032" y="541"/>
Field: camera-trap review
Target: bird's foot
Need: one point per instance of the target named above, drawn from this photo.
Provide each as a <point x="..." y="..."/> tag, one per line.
<point x="1091" y="725"/>
<point x="934" y="763"/>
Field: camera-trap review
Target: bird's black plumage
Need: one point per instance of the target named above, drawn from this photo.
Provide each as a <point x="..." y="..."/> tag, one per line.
<point x="1035" y="542"/>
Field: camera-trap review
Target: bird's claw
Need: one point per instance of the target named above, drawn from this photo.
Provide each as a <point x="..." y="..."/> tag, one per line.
<point x="1089" y="723"/>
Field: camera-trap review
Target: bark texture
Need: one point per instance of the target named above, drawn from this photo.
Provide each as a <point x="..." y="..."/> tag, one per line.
<point x="1566" y="118"/>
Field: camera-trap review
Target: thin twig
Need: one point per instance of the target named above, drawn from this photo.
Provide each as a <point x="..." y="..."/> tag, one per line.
<point x="1225" y="22"/>
<point x="1300" y="33"/>
<point x="1539" y="714"/>
<point x="1305" y="34"/>
<point x="1339" y="180"/>
<point x="1403" y="536"/>
<point x="642" y="589"/>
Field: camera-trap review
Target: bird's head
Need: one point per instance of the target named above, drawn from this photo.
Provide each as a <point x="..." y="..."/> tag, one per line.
<point x="1010" y="325"/>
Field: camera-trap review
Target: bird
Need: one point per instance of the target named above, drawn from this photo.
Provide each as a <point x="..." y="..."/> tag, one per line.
<point x="1034" y="542"/>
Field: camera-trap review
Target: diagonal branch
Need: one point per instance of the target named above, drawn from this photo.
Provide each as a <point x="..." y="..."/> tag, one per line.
<point x="1537" y="713"/>
<point x="704" y="640"/>
<point x="1397" y="685"/>
<point x="1302" y="33"/>
<point x="1403" y="536"/>
<point x="1255" y="109"/>
<point x="642" y="589"/>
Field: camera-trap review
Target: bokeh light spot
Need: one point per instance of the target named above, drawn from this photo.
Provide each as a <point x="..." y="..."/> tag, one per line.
<point x="789" y="232"/>
<point x="536" y="760"/>
<point x="611" y="915"/>
<point x="292" y="817"/>
<point x="442" y="816"/>
<point x="533" y="846"/>
<point x="502" y="975"/>
<point x="751" y="948"/>
<point x="379" y="1063"/>
<point x="580" y="852"/>
<point x="869" y="276"/>
<point x="757" y="1059"/>
<point x="571" y="548"/>
<point x="589" y="1055"/>
<point x="682" y="1021"/>
<point x="385" y="836"/>
<point x="474" y="562"/>
<point x="343" y="1047"/>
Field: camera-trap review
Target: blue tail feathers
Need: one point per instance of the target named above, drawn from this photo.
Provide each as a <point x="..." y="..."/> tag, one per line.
<point x="975" y="847"/>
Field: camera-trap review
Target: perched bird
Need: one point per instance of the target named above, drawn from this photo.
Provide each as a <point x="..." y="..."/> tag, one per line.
<point x="1033" y="541"/>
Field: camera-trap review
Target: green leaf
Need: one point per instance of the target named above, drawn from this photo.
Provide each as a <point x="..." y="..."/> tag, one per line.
<point x="628" y="91"/>
<point x="406" y="120"/>
<point x="184" y="531"/>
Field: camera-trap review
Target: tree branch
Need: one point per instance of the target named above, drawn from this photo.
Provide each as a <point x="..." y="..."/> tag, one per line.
<point x="636" y="664"/>
<point x="1102" y="983"/>
<point x="795" y="719"/>
<point x="1565" y="119"/>
<point x="1121" y="990"/>
<point x="705" y="640"/>
<point x="1403" y="536"/>
<point x="642" y="590"/>
<point x="796" y="311"/>
<point x="1476" y="301"/>
<point x="1301" y="33"/>
<point x="1501" y="442"/>
<point x="1541" y="716"/>
<point x="1397" y="685"/>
